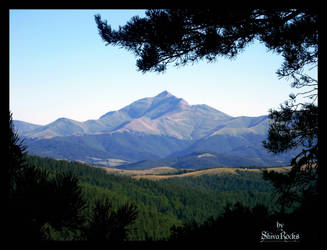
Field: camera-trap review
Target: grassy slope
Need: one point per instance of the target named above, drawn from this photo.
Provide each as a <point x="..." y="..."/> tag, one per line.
<point x="166" y="172"/>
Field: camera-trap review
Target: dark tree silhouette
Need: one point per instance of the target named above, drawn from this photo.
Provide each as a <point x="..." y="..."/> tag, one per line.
<point x="188" y="35"/>
<point x="238" y="224"/>
<point x="108" y="224"/>
<point x="16" y="162"/>
<point x="292" y="129"/>
<point x="37" y="199"/>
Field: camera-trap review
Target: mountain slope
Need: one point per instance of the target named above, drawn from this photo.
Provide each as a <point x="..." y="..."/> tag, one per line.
<point x="60" y="127"/>
<point x="24" y="127"/>
<point x="102" y="148"/>
<point x="153" y="128"/>
<point x="201" y="160"/>
<point x="163" y="114"/>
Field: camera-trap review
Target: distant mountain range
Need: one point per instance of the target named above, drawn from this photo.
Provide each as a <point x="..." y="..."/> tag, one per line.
<point x="154" y="128"/>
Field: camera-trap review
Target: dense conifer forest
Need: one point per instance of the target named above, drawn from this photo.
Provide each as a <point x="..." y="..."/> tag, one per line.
<point x="163" y="204"/>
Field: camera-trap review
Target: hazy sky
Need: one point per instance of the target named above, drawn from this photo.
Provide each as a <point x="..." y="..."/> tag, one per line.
<point x="60" y="67"/>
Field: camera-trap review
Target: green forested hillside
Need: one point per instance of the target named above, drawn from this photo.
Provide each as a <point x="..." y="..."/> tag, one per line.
<point x="165" y="203"/>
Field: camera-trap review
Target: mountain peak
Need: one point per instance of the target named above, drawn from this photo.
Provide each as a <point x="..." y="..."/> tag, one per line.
<point x="164" y="94"/>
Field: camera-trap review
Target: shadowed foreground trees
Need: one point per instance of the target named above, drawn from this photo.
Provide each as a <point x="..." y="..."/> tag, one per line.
<point x="37" y="199"/>
<point x="238" y="223"/>
<point x="43" y="205"/>
<point x="293" y="129"/>
<point x="241" y="225"/>
<point x="107" y="224"/>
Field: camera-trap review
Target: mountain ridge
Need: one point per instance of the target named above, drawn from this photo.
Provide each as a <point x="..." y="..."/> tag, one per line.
<point x="151" y="128"/>
<point x="154" y="115"/>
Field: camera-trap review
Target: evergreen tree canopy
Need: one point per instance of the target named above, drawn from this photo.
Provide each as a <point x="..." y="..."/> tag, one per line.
<point x="188" y="35"/>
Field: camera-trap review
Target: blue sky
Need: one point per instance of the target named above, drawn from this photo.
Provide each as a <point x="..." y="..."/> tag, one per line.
<point x="60" y="67"/>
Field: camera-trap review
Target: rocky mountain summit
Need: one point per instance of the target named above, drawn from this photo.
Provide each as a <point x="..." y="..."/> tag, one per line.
<point x="151" y="128"/>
